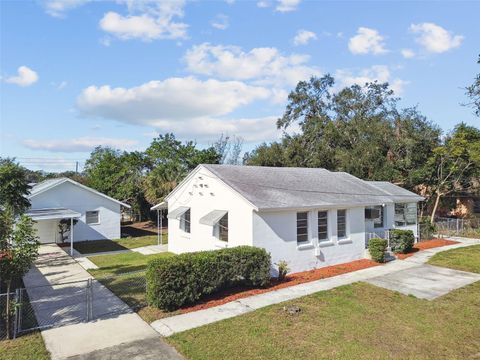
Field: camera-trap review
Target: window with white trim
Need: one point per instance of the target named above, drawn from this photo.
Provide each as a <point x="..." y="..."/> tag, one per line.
<point x="375" y="213"/>
<point x="185" y="221"/>
<point x="92" y="217"/>
<point x="302" y="227"/>
<point x="405" y="214"/>
<point x="342" y="224"/>
<point x="222" y="228"/>
<point x="323" y="226"/>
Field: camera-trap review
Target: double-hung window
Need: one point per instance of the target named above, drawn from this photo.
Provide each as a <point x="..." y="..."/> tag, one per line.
<point x="302" y="227"/>
<point x="185" y="221"/>
<point x="341" y="224"/>
<point x="322" y="226"/>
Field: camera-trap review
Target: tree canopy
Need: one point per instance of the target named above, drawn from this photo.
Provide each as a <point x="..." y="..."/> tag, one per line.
<point x="473" y="92"/>
<point x="359" y="129"/>
<point x="14" y="186"/>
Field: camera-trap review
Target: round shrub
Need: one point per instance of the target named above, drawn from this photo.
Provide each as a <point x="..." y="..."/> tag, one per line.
<point x="401" y="241"/>
<point x="184" y="279"/>
<point x="377" y="247"/>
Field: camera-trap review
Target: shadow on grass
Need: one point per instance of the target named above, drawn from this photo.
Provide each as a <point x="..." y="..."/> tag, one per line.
<point x="91" y="247"/>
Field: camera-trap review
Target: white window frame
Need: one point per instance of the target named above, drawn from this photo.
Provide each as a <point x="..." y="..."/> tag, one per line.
<point x="217" y="229"/>
<point x="327" y="232"/>
<point x="346" y="235"/>
<point x="403" y="214"/>
<point x="302" y="242"/>
<point x="98" y="217"/>
<point x="183" y="221"/>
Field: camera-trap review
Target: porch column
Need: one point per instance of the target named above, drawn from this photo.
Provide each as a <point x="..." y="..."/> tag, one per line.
<point x="71" y="236"/>
<point x="161" y="227"/>
<point x="158" y="227"/>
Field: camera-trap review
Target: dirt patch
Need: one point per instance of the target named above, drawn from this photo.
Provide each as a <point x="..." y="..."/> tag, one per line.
<point x="424" y="245"/>
<point x="143" y="228"/>
<point x="291" y="280"/>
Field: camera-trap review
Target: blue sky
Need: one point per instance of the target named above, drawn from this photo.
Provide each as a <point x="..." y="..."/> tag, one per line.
<point x="79" y="73"/>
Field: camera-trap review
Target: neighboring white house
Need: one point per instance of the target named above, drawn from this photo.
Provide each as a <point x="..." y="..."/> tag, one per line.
<point x="98" y="215"/>
<point x="308" y="217"/>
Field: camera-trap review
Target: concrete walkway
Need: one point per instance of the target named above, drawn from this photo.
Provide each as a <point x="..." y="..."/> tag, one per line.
<point x="56" y="286"/>
<point x="412" y="265"/>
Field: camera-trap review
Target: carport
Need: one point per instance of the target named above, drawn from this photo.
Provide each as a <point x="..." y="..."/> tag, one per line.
<point x="42" y="215"/>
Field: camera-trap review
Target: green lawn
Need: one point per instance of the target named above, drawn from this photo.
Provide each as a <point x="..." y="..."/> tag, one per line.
<point x="26" y="347"/>
<point x="358" y="321"/>
<point x="91" y="247"/>
<point x="466" y="259"/>
<point x="130" y="287"/>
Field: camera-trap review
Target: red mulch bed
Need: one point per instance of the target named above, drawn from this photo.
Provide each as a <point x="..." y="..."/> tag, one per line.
<point x="424" y="245"/>
<point x="292" y="279"/>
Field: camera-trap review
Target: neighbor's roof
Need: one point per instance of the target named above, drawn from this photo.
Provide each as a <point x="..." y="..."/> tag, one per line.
<point x="51" y="183"/>
<point x="288" y="187"/>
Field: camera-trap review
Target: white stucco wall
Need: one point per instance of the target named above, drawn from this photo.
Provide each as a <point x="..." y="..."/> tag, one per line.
<point x="276" y="232"/>
<point x="70" y="196"/>
<point x="202" y="196"/>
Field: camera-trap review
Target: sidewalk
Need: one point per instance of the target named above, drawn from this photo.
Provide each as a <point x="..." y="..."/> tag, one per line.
<point x="171" y="325"/>
<point x="55" y="285"/>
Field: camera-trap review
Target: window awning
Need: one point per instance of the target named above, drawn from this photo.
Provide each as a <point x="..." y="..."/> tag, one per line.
<point x="175" y="214"/>
<point x="213" y="217"/>
<point x="52" y="214"/>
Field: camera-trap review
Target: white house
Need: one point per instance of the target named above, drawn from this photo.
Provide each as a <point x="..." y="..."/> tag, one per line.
<point x="308" y="217"/>
<point x="52" y="200"/>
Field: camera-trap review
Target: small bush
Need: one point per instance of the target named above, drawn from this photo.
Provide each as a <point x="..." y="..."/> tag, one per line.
<point x="283" y="269"/>
<point x="377" y="247"/>
<point x="184" y="279"/>
<point x="401" y="241"/>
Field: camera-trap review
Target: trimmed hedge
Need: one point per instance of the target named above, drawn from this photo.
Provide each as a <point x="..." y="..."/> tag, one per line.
<point x="184" y="279"/>
<point x="376" y="248"/>
<point x="401" y="241"/>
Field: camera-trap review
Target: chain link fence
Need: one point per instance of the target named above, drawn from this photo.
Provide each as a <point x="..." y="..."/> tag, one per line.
<point x="60" y="304"/>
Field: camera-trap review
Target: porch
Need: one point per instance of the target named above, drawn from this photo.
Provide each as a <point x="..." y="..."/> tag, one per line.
<point x="47" y="221"/>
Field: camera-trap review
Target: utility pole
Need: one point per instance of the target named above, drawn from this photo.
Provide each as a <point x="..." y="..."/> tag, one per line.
<point x="76" y="167"/>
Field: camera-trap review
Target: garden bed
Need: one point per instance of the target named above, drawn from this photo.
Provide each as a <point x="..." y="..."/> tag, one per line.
<point x="425" y="245"/>
<point x="291" y="280"/>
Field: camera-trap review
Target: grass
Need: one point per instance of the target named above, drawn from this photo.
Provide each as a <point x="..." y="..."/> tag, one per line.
<point x="115" y="272"/>
<point x="466" y="259"/>
<point x="358" y="321"/>
<point x="26" y="347"/>
<point x="91" y="247"/>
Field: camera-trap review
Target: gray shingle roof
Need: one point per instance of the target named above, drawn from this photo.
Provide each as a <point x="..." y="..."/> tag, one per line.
<point x="395" y="192"/>
<point x="277" y="188"/>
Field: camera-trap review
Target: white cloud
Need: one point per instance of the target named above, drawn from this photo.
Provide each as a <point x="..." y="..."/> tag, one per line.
<point x="408" y="53"/>
<point x="147" y="20"/>
<point x="220" y="22"/>
<point x="367" y="41"/>
<point x="287" y="5"/>
<point x="303" y="37"/>
<point x="81" y="144"/>
<point x="263" y="66"/>
<point x="155" y="102"/>
<point x="25" y="77"/>
<point x="380" y="73"/>
<point x="58" y="8"/>
<point x="263" y="4"/>
<point x="207" y="129"/>
<point x="434" y="38"/>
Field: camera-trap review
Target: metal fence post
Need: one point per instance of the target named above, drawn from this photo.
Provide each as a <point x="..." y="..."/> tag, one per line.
<point x="91" y="299"/>
<point x="17" y="305"/>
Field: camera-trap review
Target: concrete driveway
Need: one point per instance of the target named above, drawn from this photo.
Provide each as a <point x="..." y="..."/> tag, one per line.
<point x="425" y="281"/>
<point x="56" y="286"/>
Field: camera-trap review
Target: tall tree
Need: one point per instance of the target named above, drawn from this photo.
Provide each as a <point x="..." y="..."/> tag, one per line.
<point x="14" y="186"/>
<point x="455" y="164"/>
<point x="169" y="161"/>
<point x="358" y="129"/>
<point x="473" y="92"/>
<point x="18" y="250"/>
<point x="119" y="175"/>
